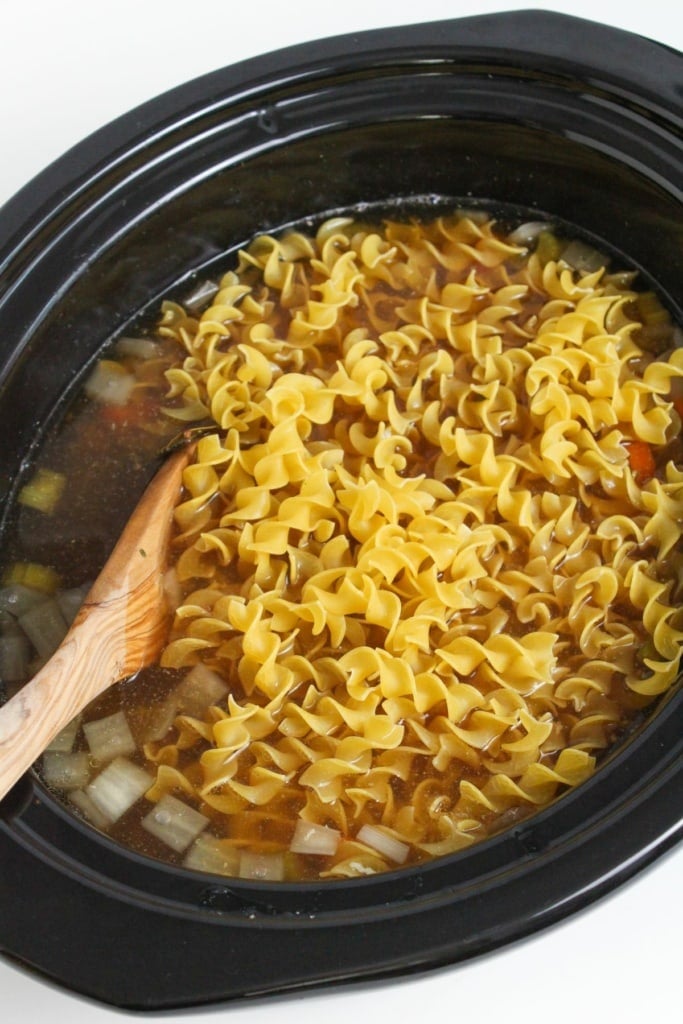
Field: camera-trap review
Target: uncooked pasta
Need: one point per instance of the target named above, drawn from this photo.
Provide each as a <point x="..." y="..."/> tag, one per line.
<point x="427" y="564"/>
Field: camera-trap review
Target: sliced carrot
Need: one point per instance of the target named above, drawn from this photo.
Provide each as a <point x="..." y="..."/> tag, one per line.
<point x="132" y="414"/>
<point x="641" y="459"/>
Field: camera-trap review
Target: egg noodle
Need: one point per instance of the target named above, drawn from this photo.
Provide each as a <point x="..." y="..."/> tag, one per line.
<point x="417" y="547"/>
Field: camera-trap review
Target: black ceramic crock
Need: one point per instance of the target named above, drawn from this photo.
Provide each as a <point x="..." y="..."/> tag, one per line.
<point x="529" y="108"/>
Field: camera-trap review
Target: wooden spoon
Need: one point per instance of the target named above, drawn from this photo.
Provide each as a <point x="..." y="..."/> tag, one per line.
<point x="118" y="631"/>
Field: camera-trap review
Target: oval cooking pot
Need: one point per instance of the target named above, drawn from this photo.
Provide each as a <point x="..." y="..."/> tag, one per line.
<point x="532" y="109"/>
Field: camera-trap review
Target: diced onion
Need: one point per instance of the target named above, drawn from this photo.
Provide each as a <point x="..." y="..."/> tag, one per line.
<point x="9" y="625"/>
<point x="201" y="688"/>
<point x="315" y="839"/>
<point x="527" y="233"/>
<point x="66" y="770"/>
<point x="476" y="216"/>
<point x="18" y="598"/>
<point x="161" y="718"/>
<point x="137" y="348"/>
<point x="200" y="295"/>
<point x="80" y="799"/>
<point x="70" y="601"/>
<point x="109" y="737"/>
<point x="64" y="740"/>
<point x="45" y="627"/>
<point x="175" y="823"/>
<point x="583" y="257"/>
<point x="118" y="787"/>
<point x="15" y="652"/>
<point x="213" y="855"/>
<point x="172" y="589"/>
<point x="110" y="383"/>
<point x="384" y="843"/>
<point x="266" y="867"/>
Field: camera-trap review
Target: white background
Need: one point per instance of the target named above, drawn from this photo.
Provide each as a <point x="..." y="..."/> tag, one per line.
<point x="68" y="67"/>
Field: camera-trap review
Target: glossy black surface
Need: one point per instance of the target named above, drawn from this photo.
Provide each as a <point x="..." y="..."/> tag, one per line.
<point x="533" y="109"/>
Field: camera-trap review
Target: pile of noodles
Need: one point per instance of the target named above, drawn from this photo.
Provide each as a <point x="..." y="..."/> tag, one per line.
<point x="415" y="547"/>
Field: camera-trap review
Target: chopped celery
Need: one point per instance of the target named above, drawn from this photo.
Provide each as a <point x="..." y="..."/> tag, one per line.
<point x="32" y="575"/>
<point x="548" y="247"/>
<point x="43" y="491"/>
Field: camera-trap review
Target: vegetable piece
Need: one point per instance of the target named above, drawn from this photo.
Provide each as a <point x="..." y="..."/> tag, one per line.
<point x="15" y="652"/>
<point x="266" y="867"/>
<point x="110" y="383"/>
<point x="70" y="601"/>
<point x="118" y="787"/>
<point x="80" y="799"/>
<point x="9" y="625"/>
<point x="66" y="770"/>
<point x="33" y="576"/>
<point x="64" y="740"/>
<point x="17" y="598"/>
<point x="208" y="853"/>
<point x="160" y="719"/>
<point x="43" y="491"/>
<point x="137" y="348"/>
<point x="526" y="234"/>
<point x="641" y="460"/>
<point x="201" y="688"/>
<point x="175" y="823"/>
<point x="314" y="839"/>
<point x="651" y="309"/>
<point x="655" y="338"/>
<point x="172" y="589"/>
<point x="45" y="627"/>
<point x="385" y="844"/>
<point x="200" y="295"/>
<point x="109" y="737"/>
<point x="583" y="257"/>
<point x="548" y="247"/>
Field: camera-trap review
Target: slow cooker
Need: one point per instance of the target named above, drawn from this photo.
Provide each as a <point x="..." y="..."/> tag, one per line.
<point x="537" y="110"/>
